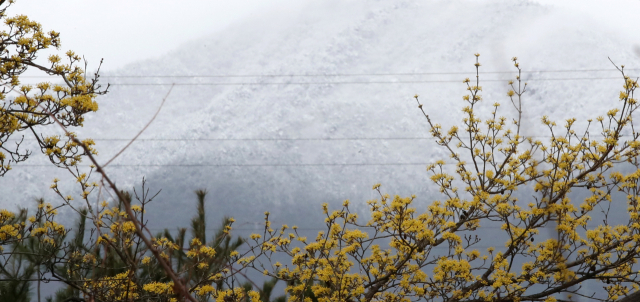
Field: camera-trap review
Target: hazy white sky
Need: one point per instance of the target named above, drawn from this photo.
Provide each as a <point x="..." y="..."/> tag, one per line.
<point x="123" y="31"/>
<point x="620" y="16"/>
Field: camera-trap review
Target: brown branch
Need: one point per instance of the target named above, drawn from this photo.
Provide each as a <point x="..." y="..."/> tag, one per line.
<point x="143" y="128"/>
<point x="178" y="285"/>
<point x="631" y="298"/>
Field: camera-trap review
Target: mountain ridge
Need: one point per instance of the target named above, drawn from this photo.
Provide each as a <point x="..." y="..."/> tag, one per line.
<point x="333" y="37"/>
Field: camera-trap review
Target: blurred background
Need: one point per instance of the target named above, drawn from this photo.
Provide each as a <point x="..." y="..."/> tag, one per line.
<point x="282" y="105"/>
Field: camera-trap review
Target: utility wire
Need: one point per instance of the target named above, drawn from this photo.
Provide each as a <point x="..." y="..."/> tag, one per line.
<point x="314" y="229"/>
<point x="348" y="83"/>
<point x="343" y="74"/>
<point x="203" y="165"/>
<point x="259" y="139"/>
<point x="275" y="139"/>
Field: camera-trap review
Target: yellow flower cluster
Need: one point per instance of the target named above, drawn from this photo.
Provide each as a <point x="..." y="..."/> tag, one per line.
<point x="492" y="160"/>
<point x="117" y="288"/>
<point x="159" y="287"/>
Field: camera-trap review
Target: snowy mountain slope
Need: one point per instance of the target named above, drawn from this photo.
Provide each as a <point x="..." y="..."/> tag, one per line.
<point x="332" y="37"/>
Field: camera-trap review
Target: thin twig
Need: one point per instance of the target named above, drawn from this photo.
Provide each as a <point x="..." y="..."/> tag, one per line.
<point x="143" y="128"/>
<point x="179" y="287"/>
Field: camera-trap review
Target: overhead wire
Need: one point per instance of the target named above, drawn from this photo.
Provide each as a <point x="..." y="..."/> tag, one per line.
<point x="314" y="229"/>
<point x="333" y="75"/>
<point x="346" y="83"/>
<point x="281" y="139"/>
<point x="260" y="139"/>
<point x="347" y="74"/>
<point x="311" y="83"/>
<point x="205" y="165"/>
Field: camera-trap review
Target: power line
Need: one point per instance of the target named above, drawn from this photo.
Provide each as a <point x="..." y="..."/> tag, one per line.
<point x="282" y="139"/>
<point x="260" y="139"/>
<point x="347" y="83"/>
<point x="346" y="74"/>
<point x="241" y="165"/>
<point x="321" y="229"/>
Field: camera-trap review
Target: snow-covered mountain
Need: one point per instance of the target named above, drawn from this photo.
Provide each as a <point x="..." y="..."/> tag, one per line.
<point x="374" y="56"/>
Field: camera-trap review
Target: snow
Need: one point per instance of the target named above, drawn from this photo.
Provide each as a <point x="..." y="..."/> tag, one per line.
<point x="366" y="38"/>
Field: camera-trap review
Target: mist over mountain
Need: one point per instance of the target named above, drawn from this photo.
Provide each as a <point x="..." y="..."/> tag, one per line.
<point x="353" y="68"/>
